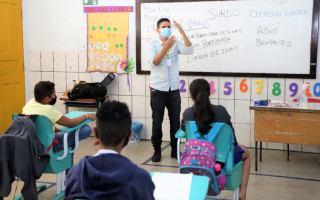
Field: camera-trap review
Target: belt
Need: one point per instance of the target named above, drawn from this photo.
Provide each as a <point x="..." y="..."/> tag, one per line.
<point x="154" y="90"/>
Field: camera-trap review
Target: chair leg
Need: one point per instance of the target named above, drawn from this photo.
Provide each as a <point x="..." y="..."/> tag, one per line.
<point x="60" y="185"/>
<point x="63" y="181"/>
<point x="236" y="194"/>
<point x="58" y="189"/>
<point x="178" y="150"/>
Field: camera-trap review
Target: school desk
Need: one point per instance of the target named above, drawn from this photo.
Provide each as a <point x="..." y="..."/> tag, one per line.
<point x="198" y="189"/>
<point x="88" y="103"/>
<point x="285" y="125"/>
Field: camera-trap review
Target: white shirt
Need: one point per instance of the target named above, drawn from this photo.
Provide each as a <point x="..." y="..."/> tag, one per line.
<point x="164" y="77"/>
<point x="105" y="151"/>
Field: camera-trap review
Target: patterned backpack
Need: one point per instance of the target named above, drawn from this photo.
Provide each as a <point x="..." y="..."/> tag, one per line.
<point x="199" y="157"/>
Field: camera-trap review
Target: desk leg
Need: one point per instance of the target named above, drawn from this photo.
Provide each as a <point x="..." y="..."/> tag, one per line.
<point x="260" y="151"/>
<point x="288" y="152"/>
<point x="98" y="105"/>
<point x="66" y="108"/>
<point x="256" y="153"/>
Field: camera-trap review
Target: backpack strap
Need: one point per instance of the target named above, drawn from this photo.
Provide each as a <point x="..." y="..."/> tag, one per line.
<point x="214" y="131"/>
<point x="207" y="137"/>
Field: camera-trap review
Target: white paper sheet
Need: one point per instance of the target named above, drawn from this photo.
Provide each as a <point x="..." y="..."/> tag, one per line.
<point x="170" y="186"/>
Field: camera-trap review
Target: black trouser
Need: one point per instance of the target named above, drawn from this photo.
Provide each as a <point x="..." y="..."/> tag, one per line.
<point x="158" y="101"/>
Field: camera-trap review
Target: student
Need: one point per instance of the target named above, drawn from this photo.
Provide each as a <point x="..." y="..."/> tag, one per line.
<point x="164" y="82"/>
<point x="205" y="113"/>
<point x="107" y="174"/>
<point x="43" y="104"/>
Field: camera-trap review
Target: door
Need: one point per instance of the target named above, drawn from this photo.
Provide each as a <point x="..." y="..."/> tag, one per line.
<point x="12" y="85"/>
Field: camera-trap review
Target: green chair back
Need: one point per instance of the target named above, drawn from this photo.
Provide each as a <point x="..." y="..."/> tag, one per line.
<point x="224" y="143"/>
<point x="45" y="134"/>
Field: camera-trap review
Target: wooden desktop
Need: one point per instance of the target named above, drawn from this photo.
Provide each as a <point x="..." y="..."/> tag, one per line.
<point x="285" y="125"/>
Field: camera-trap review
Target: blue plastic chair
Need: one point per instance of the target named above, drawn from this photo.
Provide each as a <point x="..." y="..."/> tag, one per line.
<point x="224" y="143"/>
<point x="59" y="161"/>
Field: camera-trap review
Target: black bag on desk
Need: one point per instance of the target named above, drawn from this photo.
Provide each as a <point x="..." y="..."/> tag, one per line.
<point x="87" y="91"/>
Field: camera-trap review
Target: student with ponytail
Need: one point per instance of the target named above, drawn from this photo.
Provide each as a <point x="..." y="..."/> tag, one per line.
<point x="206" y="113"/>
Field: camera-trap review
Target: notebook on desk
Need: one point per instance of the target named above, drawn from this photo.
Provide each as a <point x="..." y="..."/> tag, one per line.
<point x="173" y="186"/>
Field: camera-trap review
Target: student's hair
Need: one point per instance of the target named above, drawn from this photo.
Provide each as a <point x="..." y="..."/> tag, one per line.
<point x="113" y="122"/>
<point x="43" y="89"/>
<point x="202" y="110"/>
<point x="162" y="20"/>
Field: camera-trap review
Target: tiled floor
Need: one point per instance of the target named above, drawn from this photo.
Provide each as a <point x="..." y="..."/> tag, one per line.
<point x="277" y="179"/>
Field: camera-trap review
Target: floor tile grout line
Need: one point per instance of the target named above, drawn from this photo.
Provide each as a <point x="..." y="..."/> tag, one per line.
<point x="149" y="159"/>
<point x="288" y="177"/>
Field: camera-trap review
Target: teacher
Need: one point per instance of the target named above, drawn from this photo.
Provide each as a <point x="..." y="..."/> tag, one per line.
<point x="164" y="82"/>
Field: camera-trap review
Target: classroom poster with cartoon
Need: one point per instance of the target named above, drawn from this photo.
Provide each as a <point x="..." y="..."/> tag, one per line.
<point x="107" y="41"/>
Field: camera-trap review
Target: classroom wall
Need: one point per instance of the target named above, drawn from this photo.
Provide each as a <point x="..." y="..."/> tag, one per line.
<point x="54" y="35"/>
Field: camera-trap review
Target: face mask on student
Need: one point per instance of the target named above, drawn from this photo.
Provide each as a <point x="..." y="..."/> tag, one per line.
<point x="165" y="32"/>
<point x="54" y="100"/>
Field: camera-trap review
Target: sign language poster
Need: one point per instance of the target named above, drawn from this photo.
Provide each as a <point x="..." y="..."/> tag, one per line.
<point x="107" y="41"/>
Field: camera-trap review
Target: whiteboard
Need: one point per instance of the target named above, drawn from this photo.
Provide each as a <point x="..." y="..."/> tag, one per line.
<point x="255" y="37"/>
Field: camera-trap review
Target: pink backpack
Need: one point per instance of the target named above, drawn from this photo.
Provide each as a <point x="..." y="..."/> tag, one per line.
<point x="198" y="157"/>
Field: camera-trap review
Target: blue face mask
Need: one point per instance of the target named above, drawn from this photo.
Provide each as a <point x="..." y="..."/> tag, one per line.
<point x="165" y="32"/>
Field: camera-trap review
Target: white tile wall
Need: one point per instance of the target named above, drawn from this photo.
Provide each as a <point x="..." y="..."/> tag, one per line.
<point x="34" y="61"/>
<point x="82" y="61"/>
<point x="252" y="142"/>
<point x="184" y="105"/>
<point x="59" y="61"/>
<point x="113" y="97"/>
<point x="251" y="114"/>
<point x="148" y="108"/>
<point x="47" y="76"/>
<point x="148" y="129"/>
<point x="138" y="85"/>
<point x="124" y="88"/>
<point x="242" y="132"/>
<point x="166" y="130"/>
<point x="85" y="77"/>
<point x="70" y="79"/>
<point x="35" y="78"/>
<point x="97" y="76"/>
<point x="127" y="100"/>
<point x="309" y="148"/>
<point x="60" y="106"/>
<point x="147" y="86"/>
<point x="242" y="111"/>
<point x="166" y="116"/>
<point x="72" y="61"/>
<point x="60" y="81"/>
<point x="47" y="61"/>
<point x="229" y="105"/>
<point x="113" y="87"/>
<point x="138" y="106"/>
<point x="294" y="147"/>
<point x="213" y="101"/>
